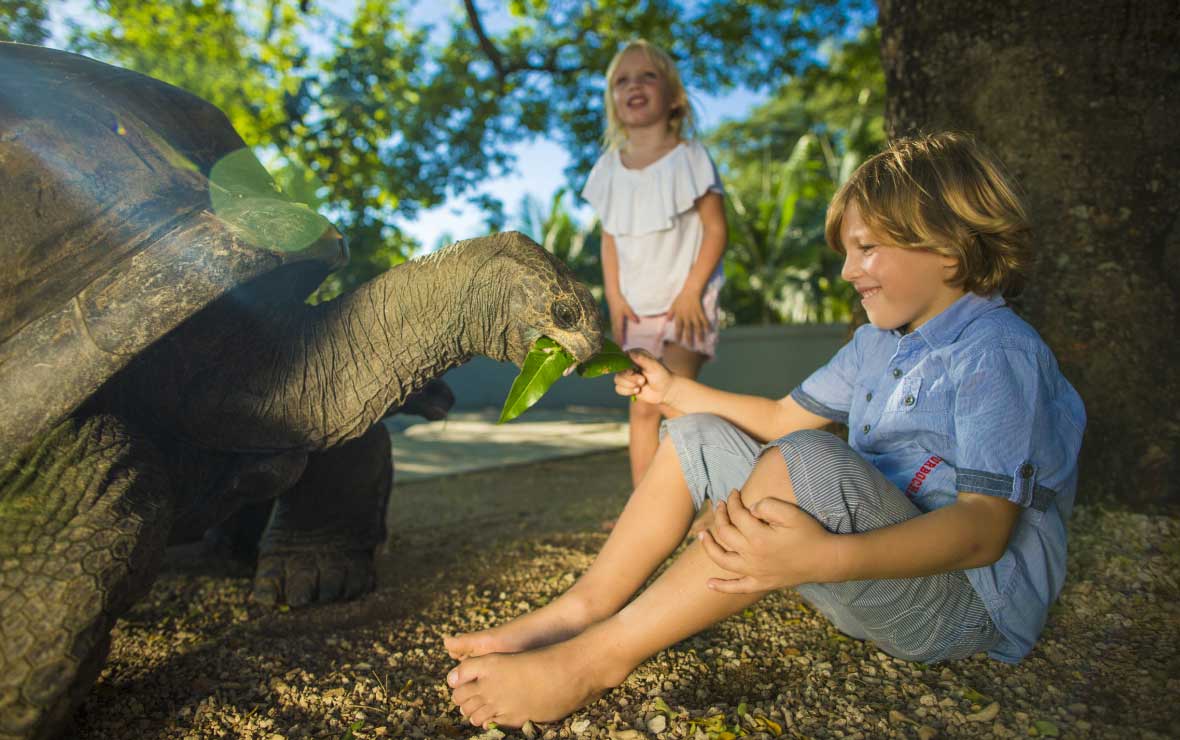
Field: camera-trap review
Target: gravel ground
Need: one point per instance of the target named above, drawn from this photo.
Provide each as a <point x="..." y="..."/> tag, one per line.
<point x="196" y="659"/>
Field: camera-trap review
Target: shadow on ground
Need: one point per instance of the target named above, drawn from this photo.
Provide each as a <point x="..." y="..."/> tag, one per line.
<point x="196" y="660"/>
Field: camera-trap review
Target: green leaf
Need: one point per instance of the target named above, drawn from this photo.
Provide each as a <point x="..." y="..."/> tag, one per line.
<point x="610" y="359"/>
<point x="544" y="364"/>
<point x="1046" y="728"/>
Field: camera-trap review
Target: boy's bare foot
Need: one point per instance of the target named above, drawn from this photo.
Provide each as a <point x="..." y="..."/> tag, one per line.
<point x="540" y="685"/>
<point x="558" y="620"/>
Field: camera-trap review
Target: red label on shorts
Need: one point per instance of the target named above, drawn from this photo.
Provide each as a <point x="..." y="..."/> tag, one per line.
<point x="920" y="477"/>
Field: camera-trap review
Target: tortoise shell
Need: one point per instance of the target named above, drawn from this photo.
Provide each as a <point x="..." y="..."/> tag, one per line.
<point x="128" y="205"/>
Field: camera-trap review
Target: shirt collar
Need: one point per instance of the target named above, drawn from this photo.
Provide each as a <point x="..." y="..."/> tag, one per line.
<point x="948" y="325"/>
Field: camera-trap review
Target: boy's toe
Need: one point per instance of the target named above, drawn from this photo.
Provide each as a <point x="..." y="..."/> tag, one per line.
<point x="465" y="672"/>
<point x="465" y="694"/>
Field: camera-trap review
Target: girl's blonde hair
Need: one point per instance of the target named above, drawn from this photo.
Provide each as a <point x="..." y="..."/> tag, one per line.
<point x="680" y="117"/>
<point x="943" y="193"/>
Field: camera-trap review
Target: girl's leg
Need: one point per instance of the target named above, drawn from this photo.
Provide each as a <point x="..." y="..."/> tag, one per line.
<point x="549" y="683"/>
<point x="651" y="526"/>
<point x="644" y="418"/>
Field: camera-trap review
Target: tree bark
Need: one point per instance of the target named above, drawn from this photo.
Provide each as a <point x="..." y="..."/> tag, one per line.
<point x="1081" y="101"/>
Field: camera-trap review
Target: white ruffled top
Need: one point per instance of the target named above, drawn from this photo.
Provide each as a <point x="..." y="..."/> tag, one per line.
<point x="651" y="212"/>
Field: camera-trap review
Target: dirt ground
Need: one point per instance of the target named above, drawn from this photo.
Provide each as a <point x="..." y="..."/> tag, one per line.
<point x="196" y="659"/>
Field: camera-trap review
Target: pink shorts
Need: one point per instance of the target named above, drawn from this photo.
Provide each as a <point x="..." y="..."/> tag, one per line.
<point x="652" y="332"/>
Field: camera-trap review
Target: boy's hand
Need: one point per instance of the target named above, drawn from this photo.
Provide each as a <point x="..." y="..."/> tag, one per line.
<point x="650" y="383"/>
<point x="772" y="545"/>
<point x="688" y="316"/>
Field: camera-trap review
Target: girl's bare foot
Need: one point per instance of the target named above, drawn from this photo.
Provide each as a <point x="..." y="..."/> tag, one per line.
<point x="558" y="620"/>
<point x="540" y="685"/>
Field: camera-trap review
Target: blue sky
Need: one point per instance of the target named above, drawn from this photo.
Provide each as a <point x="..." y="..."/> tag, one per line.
<point x="539" y="164"/>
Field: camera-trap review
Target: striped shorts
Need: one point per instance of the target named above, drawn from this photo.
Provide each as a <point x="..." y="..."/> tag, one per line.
<point x="928" y="619"/>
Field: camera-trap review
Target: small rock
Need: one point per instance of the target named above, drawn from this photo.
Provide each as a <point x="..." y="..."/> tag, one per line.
<point x="898" y="718"/>
<point x="579" y="726"/>
<point x="928" y="700"/>
<point x="529" y="730"/>
<point x="626" y="735"/>
<point x="926" y="732"/>
<point x="657" y="724"/>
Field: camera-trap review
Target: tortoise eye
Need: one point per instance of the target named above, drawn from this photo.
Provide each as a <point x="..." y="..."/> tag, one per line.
<point x="564" y="315"/>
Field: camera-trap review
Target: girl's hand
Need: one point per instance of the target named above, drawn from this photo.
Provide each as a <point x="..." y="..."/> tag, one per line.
<point x="772" y="545"/>
<point x="688" y="316"/>
<point x="620" y="311"/>
<point x="650" y="383"/>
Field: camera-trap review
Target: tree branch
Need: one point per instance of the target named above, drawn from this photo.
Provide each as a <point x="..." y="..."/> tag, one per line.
<point x="485" y="43"/>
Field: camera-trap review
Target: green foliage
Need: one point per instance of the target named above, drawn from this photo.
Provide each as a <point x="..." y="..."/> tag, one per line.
<point x="782" y="165"/>
<point x="610" y="359"/>
<point x="546" y="363"/>
<point x="385" y="121"/>
<point x="24" y="21"/>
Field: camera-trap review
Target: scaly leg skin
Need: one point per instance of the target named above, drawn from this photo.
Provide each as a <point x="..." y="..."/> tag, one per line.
<point x="319" y="544"/>
<point x="84" y="515"/>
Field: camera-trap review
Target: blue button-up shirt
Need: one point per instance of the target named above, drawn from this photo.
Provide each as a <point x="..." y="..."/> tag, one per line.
<point x="971" y="401"/>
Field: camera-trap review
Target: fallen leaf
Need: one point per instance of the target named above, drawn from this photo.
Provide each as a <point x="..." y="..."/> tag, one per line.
<point x="1046" y="728"/>
<point x="987" y="714"/>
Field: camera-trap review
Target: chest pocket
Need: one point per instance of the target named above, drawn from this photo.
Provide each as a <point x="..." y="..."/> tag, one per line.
<point x="907" y="397"/>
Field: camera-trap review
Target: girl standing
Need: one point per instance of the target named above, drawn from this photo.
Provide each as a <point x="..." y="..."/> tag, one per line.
<point x="658" y="196"/>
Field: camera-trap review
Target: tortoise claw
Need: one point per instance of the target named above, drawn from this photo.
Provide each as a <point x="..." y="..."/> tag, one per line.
<point x="299" y="579"/>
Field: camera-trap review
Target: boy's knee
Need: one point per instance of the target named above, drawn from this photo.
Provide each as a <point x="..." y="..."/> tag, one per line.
<point x="824" y="462"/>
<point x="697" y="427"/>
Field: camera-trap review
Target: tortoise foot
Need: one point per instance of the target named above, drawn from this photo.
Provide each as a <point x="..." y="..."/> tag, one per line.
<point x="301" y="578"/>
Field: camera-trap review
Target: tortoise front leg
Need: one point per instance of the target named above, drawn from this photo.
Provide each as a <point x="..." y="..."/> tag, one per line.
<point x="84" y="515"/>
<point x="322" y="534"/>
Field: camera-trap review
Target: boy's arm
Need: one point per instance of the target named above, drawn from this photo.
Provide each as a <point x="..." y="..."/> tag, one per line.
<point x="761" y="418"/>
<point x="775" y="544"/>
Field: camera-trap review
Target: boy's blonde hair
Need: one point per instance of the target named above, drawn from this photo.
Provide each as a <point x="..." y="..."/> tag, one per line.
<point x="944" y="193"/>
<point x="680" y="118"/>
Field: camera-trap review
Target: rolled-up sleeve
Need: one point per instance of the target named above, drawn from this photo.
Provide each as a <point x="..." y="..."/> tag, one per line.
<point x="999" y="404"/>
<point x="828" y="391"/>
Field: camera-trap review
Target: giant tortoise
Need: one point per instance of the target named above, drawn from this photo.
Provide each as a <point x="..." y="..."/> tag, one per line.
<point x="160" y="367"/>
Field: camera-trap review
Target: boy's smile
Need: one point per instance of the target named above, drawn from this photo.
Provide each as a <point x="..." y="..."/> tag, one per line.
<point x="899" y="287"/>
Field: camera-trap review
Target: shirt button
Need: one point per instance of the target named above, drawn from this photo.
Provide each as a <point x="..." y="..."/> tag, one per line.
<point x="866" y="428"/>
<point x="869" y="396"/>
<point x="1026" y="471"/>
<point x="909" y="400"/>
<point x="897" y="372"/>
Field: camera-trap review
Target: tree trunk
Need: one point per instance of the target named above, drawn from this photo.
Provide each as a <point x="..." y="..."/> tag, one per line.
<point x="1081" y="101"/>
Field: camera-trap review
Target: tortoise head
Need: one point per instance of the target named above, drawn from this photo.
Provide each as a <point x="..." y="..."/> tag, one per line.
<point x="540" y="296"/>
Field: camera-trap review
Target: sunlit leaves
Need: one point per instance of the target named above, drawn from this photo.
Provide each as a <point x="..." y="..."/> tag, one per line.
<point x="782" y="166"/>
<point x="610" y="359"/>
<point x="546" y="363"/>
